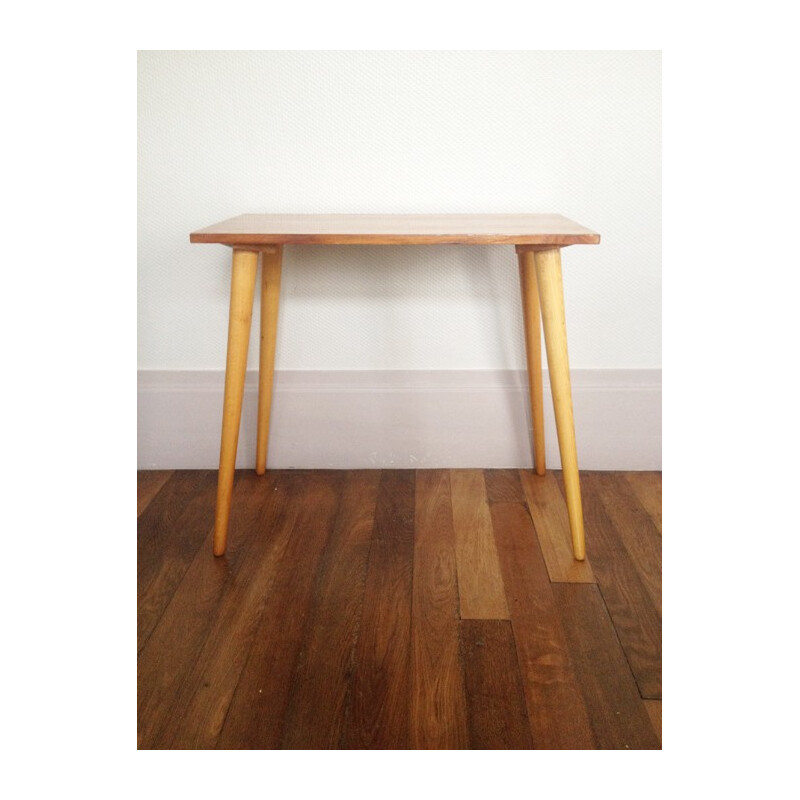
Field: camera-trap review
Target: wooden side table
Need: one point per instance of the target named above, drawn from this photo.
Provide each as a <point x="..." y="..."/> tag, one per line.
<point x="538" y="239"/>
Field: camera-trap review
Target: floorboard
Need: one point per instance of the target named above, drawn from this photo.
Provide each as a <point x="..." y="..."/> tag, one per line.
<point x="616" y="711"/>
<point x="647" y="487"/>
<point x="636" y="620"/>
<point x="148" y="484"/>
<point x="181" y="524"/>
<point x="172" y="650"/>
<point x="495" y="699"/>
<point x="379" y="713"/>
<point x="654" y="710"/>
<point x="438" y="699"/>
<point x="480" y="580"/>
<point x="255" y="718"/>
<point x="323" y="680"/>
<point x="556" y="708"/>
<point x="549" y="515"/>
<point x="395" y="609"/>
<point x="503" y="486"/>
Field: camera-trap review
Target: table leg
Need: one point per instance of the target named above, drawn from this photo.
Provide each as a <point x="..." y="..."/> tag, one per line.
<point x="533" y="352"/>
<point x="551" y="293"/>
<point x="270" y="291"/>
<point x="243" y="284"/>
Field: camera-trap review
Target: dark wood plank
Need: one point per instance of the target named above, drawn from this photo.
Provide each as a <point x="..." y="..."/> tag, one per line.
<point x="647" y="487"/>
<point x="148" y="484"/>
<point x="617" y="713"/>
<point x="180" y="635"/>
<point x="156" y="524"/>
<point x="202" y="700"/>
<point x="503" y="486"/>
<point x="379" y="714"/>
<point x="480" y="581"/>
<point x="438" y="701"/>
<point x="495" y="699"/>
<point x="633" y="526"/>
<point x="171" y="531"/>
<point x="256" y="713"/>
<point x="636" y="619"/>
<point x="555" y="704"/>
<point x="322" y="682"/>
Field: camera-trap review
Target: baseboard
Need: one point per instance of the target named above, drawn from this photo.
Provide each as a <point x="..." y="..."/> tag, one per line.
<point x="373" y="419"/>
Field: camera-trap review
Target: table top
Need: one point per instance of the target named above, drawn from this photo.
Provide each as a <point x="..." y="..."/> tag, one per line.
<point x="266" y="229"/>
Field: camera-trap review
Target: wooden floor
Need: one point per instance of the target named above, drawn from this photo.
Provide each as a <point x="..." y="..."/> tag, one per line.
<point x="399" y="609"/>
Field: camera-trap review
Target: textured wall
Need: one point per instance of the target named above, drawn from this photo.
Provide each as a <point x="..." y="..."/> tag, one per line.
<point x="223" y="133"/>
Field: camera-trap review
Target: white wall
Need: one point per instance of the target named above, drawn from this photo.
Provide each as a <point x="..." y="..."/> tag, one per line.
<point x="223" y="133"/>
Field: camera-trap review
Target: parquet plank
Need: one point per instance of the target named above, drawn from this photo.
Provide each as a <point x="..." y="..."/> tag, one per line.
<point x="203" y="698"/>
<point x="148" y="484"/>
<point x="495" y="699"/>
<point x="617" y="713"/>
<point x="168" y="543"/>
<point x="480" y="580"/>
<point x="636" y="620"/>
<point x="654" y="711"/>
<point x="503" y="486"/>
<point x="438" y="701"/>
<point x="555" y="705"/>
<point x="379" y="714"/>
<point x="633" y="526"/>
<point x="180" y="635"/>
<point x="549" y="513"/>
<point x="322" y="682"/>
<point x="256" y="712"/>
<point x="647" y="487"/>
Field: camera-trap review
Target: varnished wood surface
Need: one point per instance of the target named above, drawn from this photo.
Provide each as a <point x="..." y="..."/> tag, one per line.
<point x="265" y="229"/>
<point x="148" y="486"/>
<point x="497" y="716"/>
<point x="336" y="617"/>
<point x="623" y="580"/>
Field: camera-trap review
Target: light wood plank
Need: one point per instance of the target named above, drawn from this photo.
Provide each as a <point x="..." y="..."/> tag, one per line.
<point x="148" y="484"/>
<point x="496" y="704"/>
<point x="379" y="714"/>
<point x="556" y="708"/>
<point x="323" y="679"/>
<point x="647" y="487"/>
<point x="438" y="701"/>
<point x="266" y="229"/>
<point x="654" y="710"/>
<point x="480" y="579"/>
<point x="549" y="513"/>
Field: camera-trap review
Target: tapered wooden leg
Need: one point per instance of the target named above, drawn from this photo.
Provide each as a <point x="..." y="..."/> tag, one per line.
<point x="551" y="293"/>
<point x="533" y="351"/>
<point x="243" y="285"/>
<point x="270" y="291"/>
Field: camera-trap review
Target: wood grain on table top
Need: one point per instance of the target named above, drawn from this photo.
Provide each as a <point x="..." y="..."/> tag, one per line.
<point x="266" y="229"/>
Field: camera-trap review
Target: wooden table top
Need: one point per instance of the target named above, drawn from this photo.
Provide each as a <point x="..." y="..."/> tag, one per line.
<point x="266" y="229"/>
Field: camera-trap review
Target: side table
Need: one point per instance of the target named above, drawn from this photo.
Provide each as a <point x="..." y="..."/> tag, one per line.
<point x="538" y="239"/>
